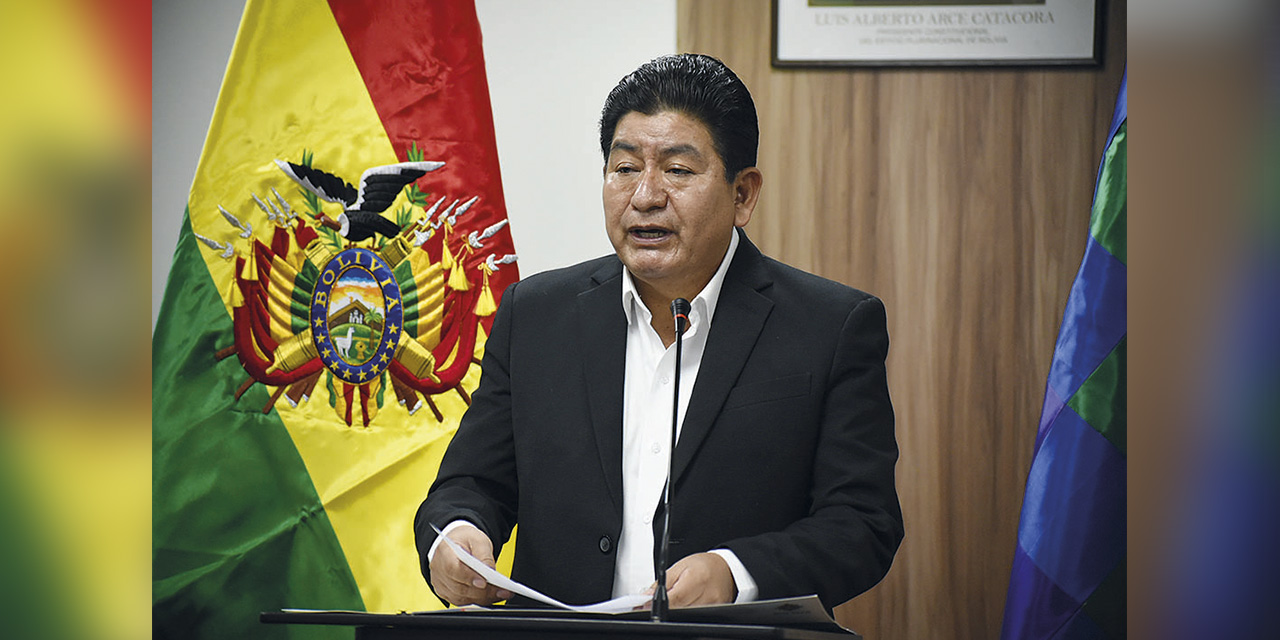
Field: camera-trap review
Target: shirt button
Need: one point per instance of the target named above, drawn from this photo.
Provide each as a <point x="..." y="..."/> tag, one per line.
<point x="605" y="544"/>
<point x="657" y="448"/>
<point x="665" y="380"/>
<point x="648" y="519"/>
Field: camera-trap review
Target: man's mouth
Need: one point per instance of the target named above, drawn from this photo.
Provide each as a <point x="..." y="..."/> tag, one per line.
<point x="650" y="233"/>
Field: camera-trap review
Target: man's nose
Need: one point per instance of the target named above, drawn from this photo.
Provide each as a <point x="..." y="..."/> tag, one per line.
<point x="650" y="193"/>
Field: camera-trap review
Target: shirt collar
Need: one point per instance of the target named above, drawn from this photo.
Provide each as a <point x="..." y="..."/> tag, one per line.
<point x="703" y="305"/>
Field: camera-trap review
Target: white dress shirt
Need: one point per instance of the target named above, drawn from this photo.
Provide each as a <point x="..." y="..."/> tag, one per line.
<point x="646" y="428"/>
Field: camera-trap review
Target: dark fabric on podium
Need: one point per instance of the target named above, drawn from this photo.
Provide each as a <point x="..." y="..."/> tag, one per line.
<point x="786" y="455"/>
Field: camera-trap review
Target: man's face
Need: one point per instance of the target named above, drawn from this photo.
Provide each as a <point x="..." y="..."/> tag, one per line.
<point x="668" y="209"/>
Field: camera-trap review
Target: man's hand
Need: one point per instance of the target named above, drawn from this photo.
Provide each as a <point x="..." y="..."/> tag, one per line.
<point x="456" y="582"/>
<point x="702" y="578"/>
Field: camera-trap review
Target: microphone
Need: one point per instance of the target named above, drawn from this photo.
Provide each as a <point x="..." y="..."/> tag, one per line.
<point x="680" y="312"/>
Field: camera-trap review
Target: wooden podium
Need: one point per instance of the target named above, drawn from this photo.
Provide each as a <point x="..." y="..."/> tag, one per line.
<point x="538" y="625"/>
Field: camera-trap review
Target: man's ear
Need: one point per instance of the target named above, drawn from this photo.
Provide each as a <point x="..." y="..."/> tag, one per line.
<point x="746" y="192"/>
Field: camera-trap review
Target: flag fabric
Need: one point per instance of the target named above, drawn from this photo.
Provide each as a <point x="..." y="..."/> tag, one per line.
<point x="1068" y="578"/>
<point x="306" y="381"/>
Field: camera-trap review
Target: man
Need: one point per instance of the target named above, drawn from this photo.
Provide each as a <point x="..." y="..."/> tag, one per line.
<point x="783" y="472"/>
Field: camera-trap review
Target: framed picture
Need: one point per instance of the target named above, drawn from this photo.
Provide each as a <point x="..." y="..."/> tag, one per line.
<point x="810" y="33"/>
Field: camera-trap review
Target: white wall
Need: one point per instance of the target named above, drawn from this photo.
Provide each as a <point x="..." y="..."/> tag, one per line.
<point x="550" y="65"/>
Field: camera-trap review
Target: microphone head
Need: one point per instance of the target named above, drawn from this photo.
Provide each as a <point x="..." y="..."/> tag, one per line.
<point x="680" y="310"/>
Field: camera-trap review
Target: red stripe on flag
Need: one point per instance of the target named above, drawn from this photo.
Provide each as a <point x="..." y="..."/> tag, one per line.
<point x="423" y="64"/>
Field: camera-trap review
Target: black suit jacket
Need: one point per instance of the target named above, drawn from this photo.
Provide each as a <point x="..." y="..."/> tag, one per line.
<point x="786" y="454"/>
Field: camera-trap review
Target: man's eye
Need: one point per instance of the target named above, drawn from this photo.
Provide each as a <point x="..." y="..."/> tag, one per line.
<point x="625" y="169"/>
<point x="680" y="171"/>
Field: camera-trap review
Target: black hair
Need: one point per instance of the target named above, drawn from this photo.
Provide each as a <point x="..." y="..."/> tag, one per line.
<point x="698" y="86"/>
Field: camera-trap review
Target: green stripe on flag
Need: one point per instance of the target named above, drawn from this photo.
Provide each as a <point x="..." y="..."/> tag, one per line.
<point x="237" y="525"/>
<point x="1102" y="399"/>
<point x="1108" y="224"/>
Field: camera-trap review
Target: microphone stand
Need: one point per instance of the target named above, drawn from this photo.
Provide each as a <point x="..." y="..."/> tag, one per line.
<point x="680" y="311"/>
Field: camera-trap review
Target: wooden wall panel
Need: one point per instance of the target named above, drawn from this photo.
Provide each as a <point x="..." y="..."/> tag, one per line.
<point x="961" y="197"/>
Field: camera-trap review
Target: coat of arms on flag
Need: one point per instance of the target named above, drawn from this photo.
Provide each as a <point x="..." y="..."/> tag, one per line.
<point x="356" y="303"/>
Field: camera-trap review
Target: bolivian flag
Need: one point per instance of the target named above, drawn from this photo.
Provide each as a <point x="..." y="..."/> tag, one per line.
<point x="344" y="248"/>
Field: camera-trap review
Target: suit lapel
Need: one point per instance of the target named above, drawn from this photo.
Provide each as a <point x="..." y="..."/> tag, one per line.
<point x="739" y="317"/>
<point x="603" y="339"/>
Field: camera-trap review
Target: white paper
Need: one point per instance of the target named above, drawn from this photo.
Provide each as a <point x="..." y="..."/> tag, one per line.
<point x="491" y="575"/>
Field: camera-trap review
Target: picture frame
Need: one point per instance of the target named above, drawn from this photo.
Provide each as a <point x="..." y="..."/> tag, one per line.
<point x="936" y="33"/>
